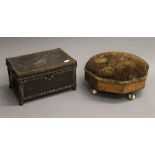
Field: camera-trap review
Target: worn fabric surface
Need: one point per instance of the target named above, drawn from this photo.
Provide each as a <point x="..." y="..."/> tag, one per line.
<point x="119" y="66"/>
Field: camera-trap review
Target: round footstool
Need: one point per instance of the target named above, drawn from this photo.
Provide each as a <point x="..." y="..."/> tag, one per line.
<point x="116" y="72"/>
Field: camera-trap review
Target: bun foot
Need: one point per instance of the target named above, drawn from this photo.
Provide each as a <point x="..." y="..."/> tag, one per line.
<point x="74" y="88"/>
<point x="21" y="103"/>
<point x="93" y="91"/>
<point x="131" y="96"/>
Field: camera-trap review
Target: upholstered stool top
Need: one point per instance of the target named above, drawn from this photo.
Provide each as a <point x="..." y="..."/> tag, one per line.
<point x="119" y="66"/>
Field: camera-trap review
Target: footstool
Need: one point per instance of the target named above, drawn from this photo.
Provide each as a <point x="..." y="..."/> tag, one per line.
<point x="116" y="72"/>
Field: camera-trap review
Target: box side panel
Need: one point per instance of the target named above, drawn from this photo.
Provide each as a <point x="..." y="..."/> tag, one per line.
<point x="15" y="84"/>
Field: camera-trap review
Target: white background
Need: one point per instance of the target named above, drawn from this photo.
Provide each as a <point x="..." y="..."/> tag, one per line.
<point x="77" y="18"/>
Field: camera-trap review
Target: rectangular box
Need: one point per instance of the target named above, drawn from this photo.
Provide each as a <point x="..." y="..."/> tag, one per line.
<point x="40" y="74"/>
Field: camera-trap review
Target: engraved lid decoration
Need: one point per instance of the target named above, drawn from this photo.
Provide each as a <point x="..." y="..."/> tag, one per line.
<point x="39" y="62"/>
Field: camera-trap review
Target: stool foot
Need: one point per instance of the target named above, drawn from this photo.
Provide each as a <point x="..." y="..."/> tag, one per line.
<point x="131" y="96"/>
<point x="93" y="91"/>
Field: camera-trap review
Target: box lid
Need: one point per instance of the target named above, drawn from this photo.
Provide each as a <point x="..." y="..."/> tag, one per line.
<point x="40" y="62"/>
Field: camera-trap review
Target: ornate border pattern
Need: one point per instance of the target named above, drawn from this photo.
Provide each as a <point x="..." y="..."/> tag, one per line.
<point x="48" y="92"/>
<point x="115" y="81"/>
<point x="22" y="97"/>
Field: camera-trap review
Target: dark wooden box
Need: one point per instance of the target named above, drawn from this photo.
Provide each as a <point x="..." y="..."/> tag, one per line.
<point x="40" y="74"/>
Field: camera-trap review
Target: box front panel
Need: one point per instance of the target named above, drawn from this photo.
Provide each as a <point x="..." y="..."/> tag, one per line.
<point x="50" y="83"/>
